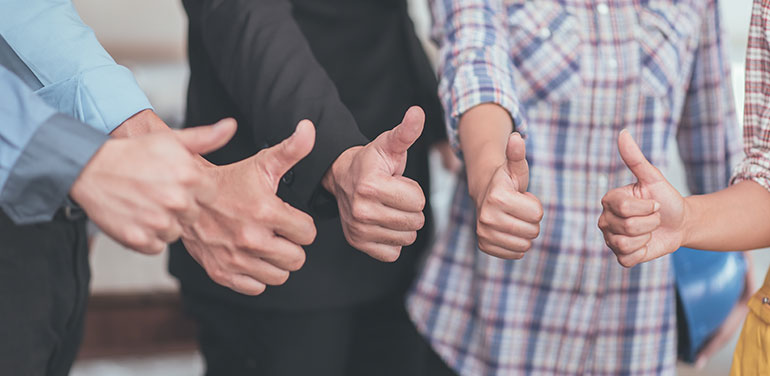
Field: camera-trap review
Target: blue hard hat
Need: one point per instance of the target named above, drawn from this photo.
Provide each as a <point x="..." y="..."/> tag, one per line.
<point x="708" y="285"/>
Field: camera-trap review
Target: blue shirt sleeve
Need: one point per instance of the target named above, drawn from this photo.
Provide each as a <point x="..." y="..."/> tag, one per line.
<point x="79" y="77"/>
<point x="41" y="152"/>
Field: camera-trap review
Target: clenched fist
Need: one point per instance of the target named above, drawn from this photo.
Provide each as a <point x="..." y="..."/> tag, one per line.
<point x="248" y="237"/>
<point x="507" y="216"/>
<point x="380" y="209"/>
<point x="644" y="220"/>
<point x="141" y="190"/>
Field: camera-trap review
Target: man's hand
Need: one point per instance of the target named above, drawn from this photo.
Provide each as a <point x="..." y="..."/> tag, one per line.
<point x="644" y="220"/>
<point x="141" y="190"/>
<point x="507" y="216"/>
<point x="380" y="209"/>
<point x="248" y="237"/>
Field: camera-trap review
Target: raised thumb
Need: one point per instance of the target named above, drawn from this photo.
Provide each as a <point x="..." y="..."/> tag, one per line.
<point x="632" y="156"/>
<point x="516" y="161"/>
<point x="282" y="157"/>
<point x="207" y="138"/>
<point x="399" y="139"/>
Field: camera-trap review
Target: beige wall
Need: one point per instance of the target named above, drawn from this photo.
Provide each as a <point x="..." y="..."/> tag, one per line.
<point x="138" y="30"/>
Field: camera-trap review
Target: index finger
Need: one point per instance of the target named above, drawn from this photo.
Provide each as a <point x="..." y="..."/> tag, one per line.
<point x="401" y="193"/>
<point x="625" y="206"/>
<point x="294" y="225"/>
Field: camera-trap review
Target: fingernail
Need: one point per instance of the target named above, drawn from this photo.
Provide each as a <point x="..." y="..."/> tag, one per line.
<point x="623" y="130"/>
<point x="655" y="206"/>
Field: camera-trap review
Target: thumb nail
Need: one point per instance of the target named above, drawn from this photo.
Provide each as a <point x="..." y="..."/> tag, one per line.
<point x="656" y="206"/>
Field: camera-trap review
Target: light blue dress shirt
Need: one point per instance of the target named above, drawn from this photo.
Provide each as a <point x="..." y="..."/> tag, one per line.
<point x="79" y="77"/>
<point x="41" y="152"/>
<point x="47" y="44"/>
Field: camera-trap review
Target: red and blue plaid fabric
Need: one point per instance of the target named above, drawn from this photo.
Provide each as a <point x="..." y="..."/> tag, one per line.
<point x="572" y="74"/>
<point x="756" y="111"/>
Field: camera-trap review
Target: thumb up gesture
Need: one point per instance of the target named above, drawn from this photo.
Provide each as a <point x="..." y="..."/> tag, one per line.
<point x="644" y="220"/>
<point x="507" y="216"/>
<point x="380" y="209"/>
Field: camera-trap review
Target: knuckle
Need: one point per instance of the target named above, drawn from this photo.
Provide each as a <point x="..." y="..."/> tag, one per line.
<point x="187" y="174"/>
<point x="360" y="212"/>
<point x="624" y="208"/>
<point x="244" y="239"/>
<point x="630" y="226"/>
<point x="177" y="201"/>
<point x="496" y="197"/>
<point x="485" y="218"/>
<point x="602" y="223"/>
<point x="622" y="243"/>
<point x="366" y="189"/>
<point x="219" y="276"/>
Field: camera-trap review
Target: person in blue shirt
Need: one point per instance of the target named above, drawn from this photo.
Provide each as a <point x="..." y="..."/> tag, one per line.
<point x="142" y="188"/>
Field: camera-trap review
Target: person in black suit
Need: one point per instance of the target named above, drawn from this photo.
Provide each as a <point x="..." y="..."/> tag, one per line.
<point x="353" y="67"/>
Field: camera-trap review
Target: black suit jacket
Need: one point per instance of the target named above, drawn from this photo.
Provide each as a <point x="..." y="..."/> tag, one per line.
<point x="351" y="66"/>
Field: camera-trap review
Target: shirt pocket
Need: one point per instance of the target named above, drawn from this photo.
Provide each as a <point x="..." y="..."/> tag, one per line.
<point x="546" y="45"/>
<point x="667" y="36"/>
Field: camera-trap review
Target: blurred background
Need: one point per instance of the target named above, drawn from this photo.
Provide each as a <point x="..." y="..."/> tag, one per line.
<point x="135" y="324"/>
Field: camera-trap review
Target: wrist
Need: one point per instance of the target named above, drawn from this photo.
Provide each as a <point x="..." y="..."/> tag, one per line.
<point x="332" y="179"/>
<point x="143" y="122"/>
<point x="480" y="169"/>
<point x="687" y="227"/>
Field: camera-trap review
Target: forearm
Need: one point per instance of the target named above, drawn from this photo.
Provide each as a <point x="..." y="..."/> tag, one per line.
<point x="733" y="219"/>
<point x="483" y="132"/>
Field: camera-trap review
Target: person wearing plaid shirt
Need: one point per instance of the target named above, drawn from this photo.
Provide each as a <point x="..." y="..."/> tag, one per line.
<point x="733" y="219"/>
<point x="567" y="75"/>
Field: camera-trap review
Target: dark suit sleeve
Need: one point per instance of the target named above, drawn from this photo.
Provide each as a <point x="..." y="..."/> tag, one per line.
<point x="267" y="68"/>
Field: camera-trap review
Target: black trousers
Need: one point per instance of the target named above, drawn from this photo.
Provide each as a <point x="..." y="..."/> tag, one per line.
<point x="367" y="340"/>
<point x="44" y="277"/>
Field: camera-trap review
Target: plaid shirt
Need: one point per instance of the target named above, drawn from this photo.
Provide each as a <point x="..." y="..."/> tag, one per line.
<point x="756" y="118"/>
<point x="572" y="74"/>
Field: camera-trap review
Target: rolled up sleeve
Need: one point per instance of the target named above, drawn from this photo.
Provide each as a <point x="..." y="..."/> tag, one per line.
<point x="79" y="77"/>
<point x="756" y="130"/>
<point x="475" y="63"/>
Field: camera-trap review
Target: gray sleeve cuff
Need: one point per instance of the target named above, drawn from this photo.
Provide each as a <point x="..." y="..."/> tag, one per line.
<point x="41" y="178"/>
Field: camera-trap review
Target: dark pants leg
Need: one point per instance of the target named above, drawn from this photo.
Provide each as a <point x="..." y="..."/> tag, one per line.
<point x="367" y="340"/>
<point x="44" y="277"/>
<point x="236" y="341"/>
<point x="385" y="343"/>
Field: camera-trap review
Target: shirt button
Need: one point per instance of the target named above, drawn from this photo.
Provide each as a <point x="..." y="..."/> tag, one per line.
<point x="288" y="178"/>
<point x="544" y="33"/>
<point x="603" y="9"/>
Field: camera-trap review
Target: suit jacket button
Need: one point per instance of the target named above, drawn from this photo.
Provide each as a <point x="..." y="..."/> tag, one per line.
<point x="288" y="178"/>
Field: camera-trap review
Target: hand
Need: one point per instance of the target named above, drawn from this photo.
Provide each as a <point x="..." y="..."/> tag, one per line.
<point x="644" y="220"/>
<point x="249" y="238"/>
<point x="507" y="216"/>
<point x="141" y="190"/>
<point x="380" y="209"/>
